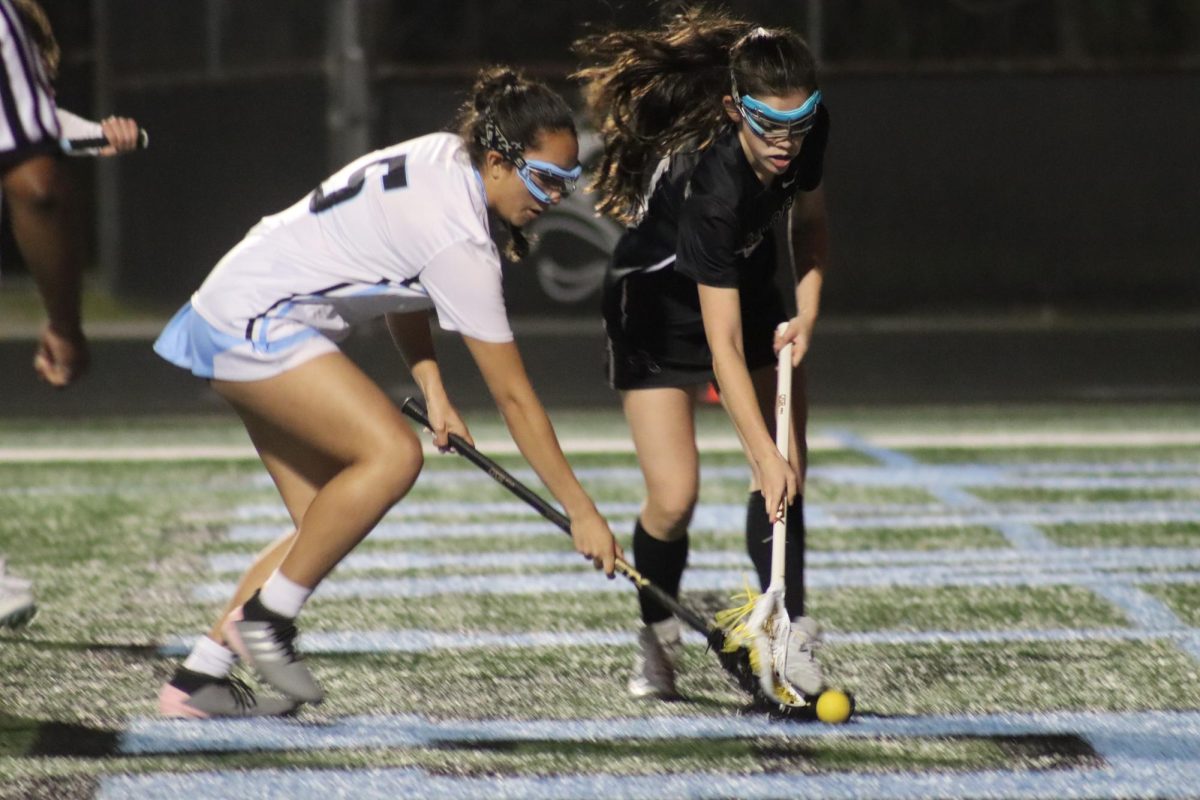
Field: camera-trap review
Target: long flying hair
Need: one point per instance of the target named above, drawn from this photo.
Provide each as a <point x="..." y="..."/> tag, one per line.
<point x="522" y="110"/>
<point x="651" y="94"/>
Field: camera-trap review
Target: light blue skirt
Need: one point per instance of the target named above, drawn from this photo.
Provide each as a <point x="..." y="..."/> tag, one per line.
<point x="191" y="342"/>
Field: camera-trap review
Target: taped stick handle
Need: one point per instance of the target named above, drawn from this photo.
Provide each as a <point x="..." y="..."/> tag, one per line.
<point x="75" y="146"/>
<point x="416" y="411"/>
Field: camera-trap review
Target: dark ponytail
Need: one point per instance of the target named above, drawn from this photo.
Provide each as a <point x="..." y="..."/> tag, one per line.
<point x="655" y="93"/>
<point x="37" y="28"/>
<point x="504" y="103"/>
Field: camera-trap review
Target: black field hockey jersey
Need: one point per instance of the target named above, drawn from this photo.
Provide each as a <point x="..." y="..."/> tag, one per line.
<point x="709" y="220"/>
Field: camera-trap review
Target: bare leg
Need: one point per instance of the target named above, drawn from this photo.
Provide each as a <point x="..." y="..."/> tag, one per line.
<point x="664" y="434"/>
<point x="334" y="429"/>
<point x="46" y="228"/>
<point x="758" y="527"/>
<point x="297" y="490"/>
<point x="764" y="389"/>
<point x="662" y="422"/>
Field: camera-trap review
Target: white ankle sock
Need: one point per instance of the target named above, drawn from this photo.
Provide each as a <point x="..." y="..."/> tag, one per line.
<point x="211" y="658"/>
<point x="283" y="596"/>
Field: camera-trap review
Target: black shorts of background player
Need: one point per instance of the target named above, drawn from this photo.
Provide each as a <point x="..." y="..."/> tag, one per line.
<point x="714" y="137"/>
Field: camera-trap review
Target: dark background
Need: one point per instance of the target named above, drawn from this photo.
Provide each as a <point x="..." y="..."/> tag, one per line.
<point x="994" y="155"/>
<point x="1013" y="184"/>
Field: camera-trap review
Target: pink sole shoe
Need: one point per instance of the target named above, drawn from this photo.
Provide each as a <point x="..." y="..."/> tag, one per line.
<point x="172" y="702"/>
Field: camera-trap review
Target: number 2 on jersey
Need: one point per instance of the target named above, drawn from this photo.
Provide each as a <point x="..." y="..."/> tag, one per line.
<point x="396" y="177"/>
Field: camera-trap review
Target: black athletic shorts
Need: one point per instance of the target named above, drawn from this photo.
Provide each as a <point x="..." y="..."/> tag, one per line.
<point x="656" y="337"/>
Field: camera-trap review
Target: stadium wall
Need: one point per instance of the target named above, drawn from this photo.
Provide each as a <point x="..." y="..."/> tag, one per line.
<point x="946" y="191"/>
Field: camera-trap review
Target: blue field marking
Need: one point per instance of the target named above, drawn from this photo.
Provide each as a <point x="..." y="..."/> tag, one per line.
<point x="1143" y="754"/>
<point x="1140" y="731"/>
<point x="425" y="641"/>
<point x="717" y="580"/>
<point x="1124" y="780"/>
<point x="1096" y="558"/>
<point x="1141" y="608"/>
<point x="448" y="518"/>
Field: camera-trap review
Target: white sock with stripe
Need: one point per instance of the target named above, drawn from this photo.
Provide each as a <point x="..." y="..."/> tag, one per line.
<point x="210" y="657"/>
<point x="283" y="596"/>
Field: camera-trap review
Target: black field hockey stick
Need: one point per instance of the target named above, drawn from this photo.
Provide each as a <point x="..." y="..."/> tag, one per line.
<point x="94" y="144"/>
<point x="736" y="663"/>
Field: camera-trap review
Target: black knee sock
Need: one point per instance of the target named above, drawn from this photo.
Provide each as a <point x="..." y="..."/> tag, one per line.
<point x="662" y="564"/>
<point x="758" y="544"/>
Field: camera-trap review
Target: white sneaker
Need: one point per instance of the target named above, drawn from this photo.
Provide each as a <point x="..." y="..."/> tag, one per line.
<point x="17" y="606"/>
<point x="795" y="660"/>
<point x="659" y="645"/>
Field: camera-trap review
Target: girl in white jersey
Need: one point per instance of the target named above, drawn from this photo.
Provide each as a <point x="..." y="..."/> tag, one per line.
<point x="396" y="233"/>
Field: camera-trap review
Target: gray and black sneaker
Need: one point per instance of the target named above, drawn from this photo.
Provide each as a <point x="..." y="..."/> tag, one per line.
<point x="266" y="641"/>
<point x="17" y="606"/>
<point x="194" y="695"/>
<point x="795" y="659"/>
<point x="653" y="675"/>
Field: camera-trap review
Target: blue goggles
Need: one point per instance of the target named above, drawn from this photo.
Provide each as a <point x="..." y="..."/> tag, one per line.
<point x="543" y="179"/>
<point x="770" y="123"/>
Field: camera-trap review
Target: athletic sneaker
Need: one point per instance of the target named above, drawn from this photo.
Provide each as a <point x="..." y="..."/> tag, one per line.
<point x="659" y="646"/>
<point x="267" y="641"/>
<point x="191" y="694"/>
<point x="17" y="606"/>
<point x="795" y="660"/>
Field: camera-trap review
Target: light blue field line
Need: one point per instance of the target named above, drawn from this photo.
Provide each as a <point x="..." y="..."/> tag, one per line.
<point x="1144" y="754"/>
<point x="581" y="582"/>
<point x="728" y="518"/>
<point x="975" y="475"/>
<point x="1094" y="558"/>
<point x="145" y="736"/>
<point x="1139" y="607"/>
<point x="454" y="511"/>
<point x="441" y="508"/>
<point x="1119" y="779"/>
<point x="424" y="641"/>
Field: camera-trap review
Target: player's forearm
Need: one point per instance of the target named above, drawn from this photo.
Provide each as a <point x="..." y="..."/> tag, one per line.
<point x="504" y="372"/>
<point x="73" y="126"/>
<point x="737" y="394"/>
<point x="413" y="339"/>
<point x="534" y="435"/>
<point x="808" y="297"/>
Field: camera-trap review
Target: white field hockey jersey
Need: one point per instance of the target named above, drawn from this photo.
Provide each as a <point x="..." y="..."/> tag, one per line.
<point x="400" y="229"/>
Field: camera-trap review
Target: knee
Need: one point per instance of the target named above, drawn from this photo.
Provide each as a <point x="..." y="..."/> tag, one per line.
<point x="35" y="187"/>
<point x="397" y="463"/>
<point x="669" y="513"/>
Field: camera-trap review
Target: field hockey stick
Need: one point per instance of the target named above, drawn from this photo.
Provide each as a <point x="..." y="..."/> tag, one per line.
<point x="92" y="145"/>
<point x="770" y="618"/>
<point x="735" y="662"/>
<point x="762" y="623"/>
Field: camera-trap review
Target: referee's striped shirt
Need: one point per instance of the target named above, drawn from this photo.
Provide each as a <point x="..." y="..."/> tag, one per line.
<point x="27" y="113"/>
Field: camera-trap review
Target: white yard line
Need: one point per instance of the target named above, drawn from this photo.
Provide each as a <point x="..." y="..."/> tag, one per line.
<point x="622" y="444"/>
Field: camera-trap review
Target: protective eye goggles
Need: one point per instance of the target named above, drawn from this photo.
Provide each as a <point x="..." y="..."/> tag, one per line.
<point x="770" y="123"/>
<point x="543" y="179"/>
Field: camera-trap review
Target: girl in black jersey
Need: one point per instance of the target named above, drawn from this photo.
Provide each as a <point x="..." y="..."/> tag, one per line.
<point x="714" y="138"/>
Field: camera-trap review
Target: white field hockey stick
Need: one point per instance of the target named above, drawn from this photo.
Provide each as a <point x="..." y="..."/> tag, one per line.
<point x="762" y="624"/>
<point x="93" y="145"/>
